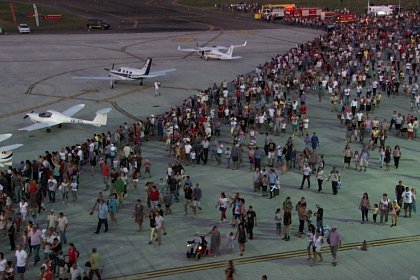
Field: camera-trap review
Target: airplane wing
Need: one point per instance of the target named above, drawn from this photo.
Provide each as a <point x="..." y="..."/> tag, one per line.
<point x="73" y="110"/>
<point x="202" y="49"/>
<point x="158" y="73"/>
<point x="39" y="126"/>
<point x="103" y="78"/>
<point x="239" y="46"/>
<point x="10" y="147"/>
<point x="5" y="136"/>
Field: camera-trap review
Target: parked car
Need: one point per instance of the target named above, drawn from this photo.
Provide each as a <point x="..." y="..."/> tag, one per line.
<point x="24" y="28"/>
<point x="97" y="24"/>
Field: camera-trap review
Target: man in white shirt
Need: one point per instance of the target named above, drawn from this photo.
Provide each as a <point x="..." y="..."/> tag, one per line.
<point x="52" y="187"/>
<point x="76" y="272"/>
<point x="407" y="196"/>
<point x="157" y="87"/>
<point x="21" y="261"/>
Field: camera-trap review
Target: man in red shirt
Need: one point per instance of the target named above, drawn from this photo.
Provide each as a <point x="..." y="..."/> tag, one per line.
<point x="105" y="174"/>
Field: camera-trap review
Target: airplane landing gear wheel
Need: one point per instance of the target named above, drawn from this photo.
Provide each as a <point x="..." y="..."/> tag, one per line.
<point x="141" y="82"/>
<point x="59" y="126"/>
<point x="48" y="130"/>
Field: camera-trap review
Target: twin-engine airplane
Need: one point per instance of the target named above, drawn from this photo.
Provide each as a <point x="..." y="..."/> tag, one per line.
<point x="51" y="118"/>
<point x="129" y="74"/>
<point x="214" y="52"/>
<point x="6" y="152"/>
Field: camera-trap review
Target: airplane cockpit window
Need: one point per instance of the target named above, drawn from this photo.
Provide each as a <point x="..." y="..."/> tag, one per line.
<point x="45" y="115"/>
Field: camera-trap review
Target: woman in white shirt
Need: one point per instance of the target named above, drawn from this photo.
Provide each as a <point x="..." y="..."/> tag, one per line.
<point x="23" y="208"/>
<point x="223" y="204"/>
<point x="317" y="242"/>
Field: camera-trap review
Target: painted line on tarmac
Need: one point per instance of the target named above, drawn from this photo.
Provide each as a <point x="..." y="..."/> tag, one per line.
<point x="269" y="257"/>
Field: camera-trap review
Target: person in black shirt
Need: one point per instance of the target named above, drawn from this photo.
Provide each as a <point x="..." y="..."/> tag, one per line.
<point x="399" y="189"/>
<point x="251" y="221"/>
<point x="319" y="219"/>
<point x="188" y="197"/>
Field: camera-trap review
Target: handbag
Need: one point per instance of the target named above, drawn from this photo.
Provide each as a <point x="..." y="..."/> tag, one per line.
<point x="339" y="185"/>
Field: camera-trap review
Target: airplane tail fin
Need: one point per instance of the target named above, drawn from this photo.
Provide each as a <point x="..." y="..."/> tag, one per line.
<point x="230" y="51"/>
<point x="146" y="68"/>
<point x="101" y="117"/>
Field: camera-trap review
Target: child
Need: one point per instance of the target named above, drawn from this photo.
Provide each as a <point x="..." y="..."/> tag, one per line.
<point x="167" y="199"/>
<point x="230" y="245"/>
<point x="228" y="154"/>
<point x="278" y="218"/>
<point x="375" y="211"/>
<point x="147" y="166"/>
<point x="74" y="188"/>
<point x="283" y="127"/>
<point x="394" y="211"/>
<point x="356" y="159"/>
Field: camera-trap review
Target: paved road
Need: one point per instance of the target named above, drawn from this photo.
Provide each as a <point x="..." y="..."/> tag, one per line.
<point x="38" y="77"/>
<point x="157" y="16"/>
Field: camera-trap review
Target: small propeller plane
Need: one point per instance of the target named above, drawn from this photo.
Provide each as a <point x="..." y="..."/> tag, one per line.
<point x="51" y="118"/>
<point x="215" y="51"/>
<point x="6" y="152"/>
<point x="125" y="73"/>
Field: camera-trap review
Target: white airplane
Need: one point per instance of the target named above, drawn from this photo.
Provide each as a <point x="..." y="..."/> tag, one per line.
<point x="128" y="74"/>
<point x="6" y="152"/>
<point x="215" y="51"/>
<point x="51" y="118"/>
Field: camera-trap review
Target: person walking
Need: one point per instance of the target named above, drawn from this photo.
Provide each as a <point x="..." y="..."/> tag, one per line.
<point x="223" y="204"/>
<point x="334" y="240"/>
<point x="335" y="177"/>
<point x="62" y="225"/>
<point x="35" y="235"/>
<point x="138" y="214"/>
<point x="278" y="219"/>
<point x="157" y="88"/>
<point x="197" y="194"/>
<point x="317" y="242"/>
<point x="301" y="210"/>
<point x="160" y="225"/>
<point x="11" y="232"/>
<point x="215" y="240"/>
<point x="95" y="262"/>
<point x="241" y="236"/>
<point x="364" y="206"/>
<point x="320" y="177"/>
<point x="407" y="196"/>
<point x="21" y="261"/>
<point x="396" y="154"/>
<point x="230" y="270"/>
<point x="102" y="216"/>
<point x="287" y="218"/>
<point x="319" y="219"/>
<point x="384" y="206"/>
<point x="306" y="172"/>
<point x="251" y="221"/>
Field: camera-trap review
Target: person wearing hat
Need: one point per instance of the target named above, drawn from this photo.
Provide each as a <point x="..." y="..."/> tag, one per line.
<point x="334" y="240"/>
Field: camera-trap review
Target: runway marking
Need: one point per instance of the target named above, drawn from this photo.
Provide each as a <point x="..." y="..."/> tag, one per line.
<point x="184" y="39"/>
<point x="263" y="258"/>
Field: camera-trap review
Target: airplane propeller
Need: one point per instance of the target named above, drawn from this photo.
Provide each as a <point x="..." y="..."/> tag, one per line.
<point x="27" y="115"/>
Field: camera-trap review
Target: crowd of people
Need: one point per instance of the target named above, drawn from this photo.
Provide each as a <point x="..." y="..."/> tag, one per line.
<point x="352" y="68"/>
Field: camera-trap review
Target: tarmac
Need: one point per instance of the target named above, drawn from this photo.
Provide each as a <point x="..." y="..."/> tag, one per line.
<point x="37" y="76"/>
